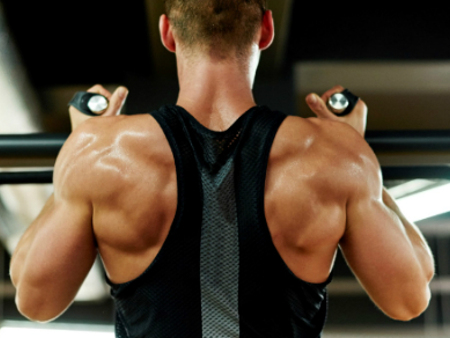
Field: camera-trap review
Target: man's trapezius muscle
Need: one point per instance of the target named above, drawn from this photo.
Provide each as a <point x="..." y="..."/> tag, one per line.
<point x="116" y="192"/>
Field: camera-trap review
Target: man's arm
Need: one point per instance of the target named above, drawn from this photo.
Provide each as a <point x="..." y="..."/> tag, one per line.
<point x="425" y="255"/>
<point x="388" y="255"/>
<point x="57" y="251"/>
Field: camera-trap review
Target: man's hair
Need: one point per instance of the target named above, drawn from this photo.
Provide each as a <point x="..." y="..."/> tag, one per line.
<point x="218" y="27"/>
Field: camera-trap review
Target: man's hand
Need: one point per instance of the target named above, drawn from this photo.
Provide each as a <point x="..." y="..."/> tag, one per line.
<point x="357" y="118"/>
<point x="116" y="102"/>
<point x="377" y="237"/>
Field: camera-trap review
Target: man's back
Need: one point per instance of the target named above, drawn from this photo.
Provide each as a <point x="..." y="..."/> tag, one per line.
<point x="138" y="235"/>
<point x="305" y="204"/>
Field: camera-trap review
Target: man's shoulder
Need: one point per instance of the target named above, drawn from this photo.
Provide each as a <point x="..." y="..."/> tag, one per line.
<point x="115" y="131"/>
<point x="325" y="142"/>
<point x="110" y="126"/>
<point x="334" y="135"/>
<point x="104" y="149"/>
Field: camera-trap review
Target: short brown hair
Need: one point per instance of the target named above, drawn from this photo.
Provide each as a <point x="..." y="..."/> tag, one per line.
<point x="216" y="26"/>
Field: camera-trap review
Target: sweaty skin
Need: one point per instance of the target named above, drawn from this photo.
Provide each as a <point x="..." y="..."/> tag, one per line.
<point x="116" y="194"/>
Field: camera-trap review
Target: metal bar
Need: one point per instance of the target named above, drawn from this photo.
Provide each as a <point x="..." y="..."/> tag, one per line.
<point x="31" y="145"/>
<point x="421" y="140"/>
<point x="415" y="172"/>
<point x="49" y="145"/>
<point x="389" y="173"/>
<point x="28" y="177"/>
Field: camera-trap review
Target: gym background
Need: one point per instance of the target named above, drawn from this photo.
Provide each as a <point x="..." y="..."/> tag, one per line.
<point x="397" y="61"/>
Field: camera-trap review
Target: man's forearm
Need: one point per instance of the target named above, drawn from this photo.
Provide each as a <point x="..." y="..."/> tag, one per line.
<point x="418" y="242"/>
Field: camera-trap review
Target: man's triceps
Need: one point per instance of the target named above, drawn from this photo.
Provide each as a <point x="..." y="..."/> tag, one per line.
<point x="57" y="251"/>
<point x="380" y="252"/>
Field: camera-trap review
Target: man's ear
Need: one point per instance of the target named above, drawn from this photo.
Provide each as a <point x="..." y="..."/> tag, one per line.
<point x="267" y="31"/>
<point x="166" y="33"/>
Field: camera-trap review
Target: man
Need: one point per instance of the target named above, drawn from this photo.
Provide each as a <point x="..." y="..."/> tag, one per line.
<point x="216" y="217"/>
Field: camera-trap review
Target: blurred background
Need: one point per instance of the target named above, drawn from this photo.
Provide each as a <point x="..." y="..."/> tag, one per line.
<point x="398" y="61"/>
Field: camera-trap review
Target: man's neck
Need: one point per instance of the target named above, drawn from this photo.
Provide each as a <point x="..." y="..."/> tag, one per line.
<point x="215" y="93"/>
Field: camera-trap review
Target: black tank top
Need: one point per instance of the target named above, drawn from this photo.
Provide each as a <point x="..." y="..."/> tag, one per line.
<point x="218" y="274"/>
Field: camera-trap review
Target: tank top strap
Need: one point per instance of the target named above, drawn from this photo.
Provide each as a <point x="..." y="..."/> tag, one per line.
<point x="252" y="161"/>
<point x="188" y="180"/>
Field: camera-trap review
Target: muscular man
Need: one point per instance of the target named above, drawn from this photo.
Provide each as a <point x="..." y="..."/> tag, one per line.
<point x="216" y="217"/>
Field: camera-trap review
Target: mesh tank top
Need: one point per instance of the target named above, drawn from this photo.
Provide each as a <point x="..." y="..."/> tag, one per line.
<point x="218" y="273"/>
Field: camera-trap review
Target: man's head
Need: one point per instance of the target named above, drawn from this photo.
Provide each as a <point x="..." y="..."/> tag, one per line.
<point x="220" y="28"/>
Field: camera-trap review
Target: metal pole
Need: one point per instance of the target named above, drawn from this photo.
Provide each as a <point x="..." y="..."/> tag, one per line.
<point x="49" y="145"/>
<point x="423" y="140"/>
<point x="31" y="145"/>
<point x="28" y="177"/>
<point x="35" y="148"/>
<point x="416" y="172"/>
